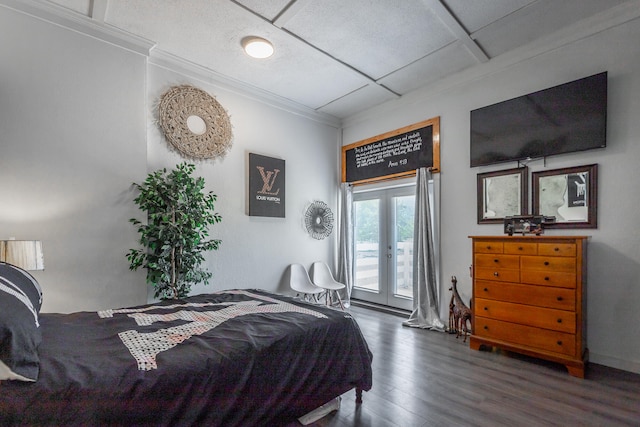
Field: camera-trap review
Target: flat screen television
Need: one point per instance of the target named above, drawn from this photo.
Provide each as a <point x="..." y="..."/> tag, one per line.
<point x="562" y="119"/>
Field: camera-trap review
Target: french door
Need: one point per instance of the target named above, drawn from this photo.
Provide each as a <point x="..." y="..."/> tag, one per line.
<point x="383" y="238"/>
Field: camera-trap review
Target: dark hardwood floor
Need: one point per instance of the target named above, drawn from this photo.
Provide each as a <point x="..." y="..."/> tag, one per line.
<point x="427" y="378"/>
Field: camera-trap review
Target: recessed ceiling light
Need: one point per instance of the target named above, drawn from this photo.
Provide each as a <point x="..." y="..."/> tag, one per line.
<point x="257" y="47"/>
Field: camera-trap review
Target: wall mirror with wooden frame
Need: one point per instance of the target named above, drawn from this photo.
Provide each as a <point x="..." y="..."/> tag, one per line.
<point x="568" y="194"/>
<point x="502" y="194"/>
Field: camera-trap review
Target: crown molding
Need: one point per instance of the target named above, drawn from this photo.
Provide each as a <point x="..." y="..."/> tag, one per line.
<point x="175" y="63"/>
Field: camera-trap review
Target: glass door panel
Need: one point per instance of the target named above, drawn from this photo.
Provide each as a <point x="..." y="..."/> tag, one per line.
<point x="404" y="207"/>
<point x="367" y="240"/>
<point x="383" y="228"/>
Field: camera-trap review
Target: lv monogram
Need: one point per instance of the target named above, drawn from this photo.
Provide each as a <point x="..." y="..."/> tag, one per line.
<point x="268" y="179"/>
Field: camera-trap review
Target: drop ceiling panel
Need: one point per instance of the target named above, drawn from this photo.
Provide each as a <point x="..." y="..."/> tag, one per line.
<point x="535" y="21"/>
<point x="268" y="9"/>
<point x="357" y="101"/>
<point x="376" y="37"/>
<point x="449" y="60"/>
<point x="476" y="14"/>
<point x="295" y="72"/>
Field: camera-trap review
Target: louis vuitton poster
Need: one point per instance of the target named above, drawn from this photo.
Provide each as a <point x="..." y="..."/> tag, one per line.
<point x="266" y="186"/>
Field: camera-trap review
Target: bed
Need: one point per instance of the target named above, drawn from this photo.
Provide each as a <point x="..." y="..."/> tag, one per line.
<point x="241" y="357"/>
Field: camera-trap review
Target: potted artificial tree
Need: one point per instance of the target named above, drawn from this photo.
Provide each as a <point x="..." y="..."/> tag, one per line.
<point x="174" y="239"/>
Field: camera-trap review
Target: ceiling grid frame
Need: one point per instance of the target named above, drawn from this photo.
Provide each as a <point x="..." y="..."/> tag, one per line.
<point x="317" y="77"/>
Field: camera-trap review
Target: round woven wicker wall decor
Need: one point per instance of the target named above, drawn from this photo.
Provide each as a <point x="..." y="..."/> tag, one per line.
<point x="318" y="220"/>
<point x="194" y="122"/>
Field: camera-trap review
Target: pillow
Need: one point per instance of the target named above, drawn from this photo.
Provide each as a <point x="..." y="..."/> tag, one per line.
<point x="25" y="281"/>
<point x="20" y="302"/>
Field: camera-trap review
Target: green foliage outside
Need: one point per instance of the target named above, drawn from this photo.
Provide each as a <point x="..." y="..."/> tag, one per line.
<point x="405" y="211"/>
<point x="367" y="218"/>
<point x="174" y="239"/>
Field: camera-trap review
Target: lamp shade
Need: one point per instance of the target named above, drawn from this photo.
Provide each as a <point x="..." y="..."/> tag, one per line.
<point x="26" y="254"/>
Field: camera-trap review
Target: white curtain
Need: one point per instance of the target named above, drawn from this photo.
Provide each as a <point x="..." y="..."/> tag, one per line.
<point x="345" y="249"/>
<point x="425" y="281"/>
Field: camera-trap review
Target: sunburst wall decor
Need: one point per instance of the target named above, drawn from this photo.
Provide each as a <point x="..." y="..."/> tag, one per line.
<point x="318" y="220"/>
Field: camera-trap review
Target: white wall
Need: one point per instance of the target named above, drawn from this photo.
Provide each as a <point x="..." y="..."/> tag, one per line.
<point x="72" y="140"/>
<point x="614" y="248"/>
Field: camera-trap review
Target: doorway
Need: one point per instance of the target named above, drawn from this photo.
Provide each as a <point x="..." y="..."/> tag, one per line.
<point x="383" y="252"/>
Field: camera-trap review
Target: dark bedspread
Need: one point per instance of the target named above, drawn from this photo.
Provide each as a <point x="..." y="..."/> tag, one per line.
<point x="233" y="358"/>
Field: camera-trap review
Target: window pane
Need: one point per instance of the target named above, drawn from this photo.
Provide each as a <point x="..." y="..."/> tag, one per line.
<point x="367" y="251"/>
<point x="404" y="213"/>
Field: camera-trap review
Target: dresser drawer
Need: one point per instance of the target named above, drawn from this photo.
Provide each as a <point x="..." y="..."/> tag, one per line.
<point x="501" y="275"/>
<point x="521" y="248"/>
<point x="497" y="261"/>
<point x="541" y="296"/>
<point x="488" y="247"/>
<point x="540" y="317"/>
<point x="526" y="336"/>
<point x="548" y="263"/>
<point x="549" y="278"/>
<point x="557" y="249"/>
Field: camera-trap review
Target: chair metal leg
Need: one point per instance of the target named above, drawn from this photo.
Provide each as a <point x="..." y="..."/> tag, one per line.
<point x="340" y="300"/>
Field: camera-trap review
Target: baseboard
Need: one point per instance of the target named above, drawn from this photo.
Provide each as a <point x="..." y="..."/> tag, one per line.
<point x="614" y="362"/>
<point x="379" y="307"/>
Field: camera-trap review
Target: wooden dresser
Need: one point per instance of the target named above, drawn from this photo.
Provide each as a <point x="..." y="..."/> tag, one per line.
<point x="529" y="296"/>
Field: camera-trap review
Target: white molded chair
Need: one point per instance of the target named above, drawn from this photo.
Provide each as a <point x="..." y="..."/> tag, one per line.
<point x="300" y="282"/>
<point x="323" y="278"/>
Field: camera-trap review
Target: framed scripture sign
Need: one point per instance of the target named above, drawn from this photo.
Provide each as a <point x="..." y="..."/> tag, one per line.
<point x="266" y="186"/>
<point x="393" y="154"/>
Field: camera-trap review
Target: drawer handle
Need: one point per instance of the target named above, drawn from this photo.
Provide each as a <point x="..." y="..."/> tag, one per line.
<point x="546" y="278"/>
<point x="546" y="263"/>
<point x="486" y="290"/>
<point x="495" y="273"/>
<point x="559" y="298"/>
<point x="486" y="309"/>
<point x="520" y="248"/>
<point x="559" y="320"/>
<point x="496" y="260"/>
<point x="556" y="249"/>
<point x="486" y="327"/>
<point x="559" y="342"/>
